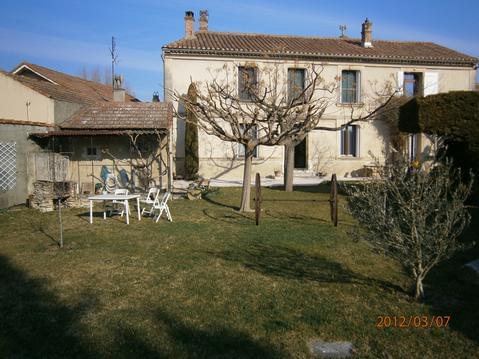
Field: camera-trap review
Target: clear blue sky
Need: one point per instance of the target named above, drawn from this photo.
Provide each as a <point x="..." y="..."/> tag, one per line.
<point x="66" y="35"/>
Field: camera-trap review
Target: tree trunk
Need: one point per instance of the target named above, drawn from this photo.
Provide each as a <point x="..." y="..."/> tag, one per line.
<point x="245" y="197"/>
<point x="419" y="290"/>
<point x="288" y="167"/>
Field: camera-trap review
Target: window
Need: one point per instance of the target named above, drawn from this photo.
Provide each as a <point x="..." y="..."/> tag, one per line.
<point x="247" y="82"/>
<point x="349" y="140"/>
<point x="91" y="151"/>
<point x="254" y="133"/>
<point x="413" y="146"/>
<point x="412" y="84"/>
<point x="296" y="83"/>
<point x="8" y="166"/>
<point x="350" y="86"/>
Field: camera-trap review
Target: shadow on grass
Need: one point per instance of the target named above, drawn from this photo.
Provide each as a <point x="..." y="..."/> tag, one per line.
<point x="208" y="198"/>
<point x="39" y="226"/>
<point x="229" y="217"/>
<point x="306" y="219"/>
<point x="213" y="342"/>
<point x="187" y="341"/>
<point x="292" y="264"/>
<point x="447" y="294"/>
<point x="34" y="323"/>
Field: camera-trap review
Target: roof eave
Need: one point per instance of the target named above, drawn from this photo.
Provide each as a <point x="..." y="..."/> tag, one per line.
<point x="339" y="58"/>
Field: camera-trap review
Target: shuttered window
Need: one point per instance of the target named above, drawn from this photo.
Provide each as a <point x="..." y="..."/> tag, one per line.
<point x="254" y="134"/>
<point x="349" y="86"/>
<point x="412" y="84"/>
<point x="247" y="82"/>
<point x="349" y="140"/>
<point x="296" y="83"/>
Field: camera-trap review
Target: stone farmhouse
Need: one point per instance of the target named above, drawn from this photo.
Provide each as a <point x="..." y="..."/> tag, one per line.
<point x="358" y="65"/>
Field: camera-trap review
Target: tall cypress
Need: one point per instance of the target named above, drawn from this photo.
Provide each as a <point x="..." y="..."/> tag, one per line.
<point x="191" y="139"/>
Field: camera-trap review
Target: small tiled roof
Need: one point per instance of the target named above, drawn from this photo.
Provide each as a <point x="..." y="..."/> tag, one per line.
<point x="342" y="49"/>
<point x="121" y="115"/>
<point x="64" y="87"/>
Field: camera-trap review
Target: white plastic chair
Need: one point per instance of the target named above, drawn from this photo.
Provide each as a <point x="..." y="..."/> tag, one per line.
<point x="163" y="206"/>
<point x="115" y="202"/>
<point x="150" y="201"/>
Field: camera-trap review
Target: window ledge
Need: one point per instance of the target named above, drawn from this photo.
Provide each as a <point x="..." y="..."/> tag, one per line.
<point x="349" y="158"/>
<point x="354" y="104"/>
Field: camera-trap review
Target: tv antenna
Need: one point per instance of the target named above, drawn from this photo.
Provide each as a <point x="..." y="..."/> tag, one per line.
<point x="342" y="28"/>
<point x="114" y="60"/>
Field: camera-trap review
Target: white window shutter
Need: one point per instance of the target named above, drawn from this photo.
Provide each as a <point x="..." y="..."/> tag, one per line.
<point x="358" y="86"/>
<point x="358" y="139"/>
<point x="431" y="83"/>
<point x="400" y="83"/>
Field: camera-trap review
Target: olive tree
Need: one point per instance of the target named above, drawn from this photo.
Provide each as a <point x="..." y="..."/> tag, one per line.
<point x="413" y="215"/>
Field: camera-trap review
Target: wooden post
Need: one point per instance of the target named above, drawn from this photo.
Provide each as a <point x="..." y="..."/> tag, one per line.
<point x="257" y="198"/>
<point x="333" y="200"/>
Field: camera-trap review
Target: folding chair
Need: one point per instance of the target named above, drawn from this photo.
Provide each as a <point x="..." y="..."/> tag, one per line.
<point x="115" y="202"/>
<point x="150" y="201"/>
<point x="163" y="206"/>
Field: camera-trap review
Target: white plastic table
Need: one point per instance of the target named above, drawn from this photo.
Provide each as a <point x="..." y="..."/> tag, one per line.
<point x="116" y="197"/>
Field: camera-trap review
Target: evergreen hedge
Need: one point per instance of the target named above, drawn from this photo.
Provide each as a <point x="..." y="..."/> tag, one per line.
<point x="455" y="117"/>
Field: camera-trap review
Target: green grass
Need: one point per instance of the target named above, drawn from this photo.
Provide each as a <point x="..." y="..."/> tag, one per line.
<point x="212" y="284"/>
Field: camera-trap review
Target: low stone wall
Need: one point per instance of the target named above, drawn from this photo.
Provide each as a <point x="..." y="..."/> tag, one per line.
<point x="45" y="194"/>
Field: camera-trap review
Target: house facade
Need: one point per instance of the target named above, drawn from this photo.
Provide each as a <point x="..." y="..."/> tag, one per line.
<point x="361" y="69"/>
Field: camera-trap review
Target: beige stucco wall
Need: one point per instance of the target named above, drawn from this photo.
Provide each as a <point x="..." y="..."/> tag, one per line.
<point x="14" y="97"/>
<point x="323" y="147"/>
<point x="116" y="157"/>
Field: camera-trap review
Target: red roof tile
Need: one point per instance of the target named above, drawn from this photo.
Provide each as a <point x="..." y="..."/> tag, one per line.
<point x="65" y="87"/>
<point x="342" y="49"/>
<point x="121" y="115"/>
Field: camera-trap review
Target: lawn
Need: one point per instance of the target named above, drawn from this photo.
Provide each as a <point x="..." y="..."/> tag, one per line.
<point x="212" y="284"/>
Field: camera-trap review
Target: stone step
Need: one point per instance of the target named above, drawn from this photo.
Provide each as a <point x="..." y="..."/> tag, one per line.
<point x="303" y="173"/>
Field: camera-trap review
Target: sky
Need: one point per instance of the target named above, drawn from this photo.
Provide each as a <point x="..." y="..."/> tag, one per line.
<point x="71" y="35"/>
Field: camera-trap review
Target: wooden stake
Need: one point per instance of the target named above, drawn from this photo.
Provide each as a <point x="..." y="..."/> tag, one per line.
<point x="333" y="200"/>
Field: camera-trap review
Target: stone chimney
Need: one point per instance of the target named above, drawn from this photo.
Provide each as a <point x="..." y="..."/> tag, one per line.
<point x="189" y="24"/>
<point x="367" y="34"/>
<point x="203" y="20"/>
<point x="119" y="92"/>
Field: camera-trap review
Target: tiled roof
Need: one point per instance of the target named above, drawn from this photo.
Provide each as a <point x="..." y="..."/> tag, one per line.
<point x="65" y="87"/>
<point x="89" y="133"/>
<point x="121" y="115"/>
<point x="345" y="49"/>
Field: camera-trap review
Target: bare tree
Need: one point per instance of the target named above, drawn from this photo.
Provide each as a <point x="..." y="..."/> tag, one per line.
<point x="145" y="151"/>
<point x="413" y="215"/>
<point x="260" y="113"/>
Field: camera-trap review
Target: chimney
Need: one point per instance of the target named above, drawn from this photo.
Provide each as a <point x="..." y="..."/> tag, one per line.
<point x="203" y="20"/>
<point x="156" y="97"/>
<point x="367" y="34"/>
<point x="118" y="90"/>
<point x="189" y="24"/>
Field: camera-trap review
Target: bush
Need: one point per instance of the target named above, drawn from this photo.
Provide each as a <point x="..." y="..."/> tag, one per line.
<point x="454" y="116"/>
<point x="414" y="216"/>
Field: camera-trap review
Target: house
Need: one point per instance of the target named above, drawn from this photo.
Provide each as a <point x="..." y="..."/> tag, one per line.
<point x="124" y="137"/>
<point x="44" y="111"/>
<point x="356" y="64"/>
